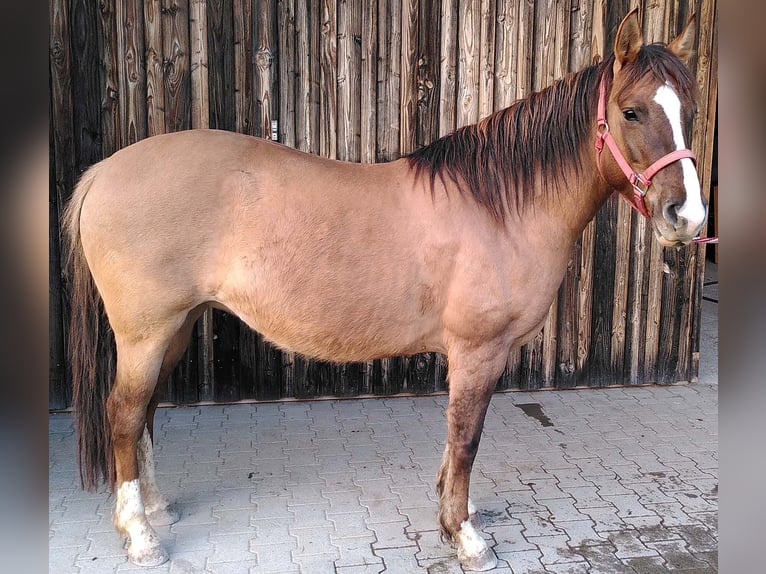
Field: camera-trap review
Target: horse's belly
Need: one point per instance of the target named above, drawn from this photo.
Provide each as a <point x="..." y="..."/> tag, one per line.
<point x="332" y="317"/>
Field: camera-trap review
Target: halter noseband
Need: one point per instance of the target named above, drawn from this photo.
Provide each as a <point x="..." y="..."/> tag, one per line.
<point x="639" y="181"/>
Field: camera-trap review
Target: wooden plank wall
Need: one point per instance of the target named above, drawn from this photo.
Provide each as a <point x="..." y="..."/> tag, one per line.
<point x="369" y="81"/>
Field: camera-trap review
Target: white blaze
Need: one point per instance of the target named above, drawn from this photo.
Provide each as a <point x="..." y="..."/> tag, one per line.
<point x="692" y="210"/>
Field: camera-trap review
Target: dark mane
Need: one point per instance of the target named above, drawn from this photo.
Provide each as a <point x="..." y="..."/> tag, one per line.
<point x="517" y="154"/>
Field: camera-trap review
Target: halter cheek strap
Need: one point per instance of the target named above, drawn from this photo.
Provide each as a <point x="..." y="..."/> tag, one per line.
<point x="639" y="181"/>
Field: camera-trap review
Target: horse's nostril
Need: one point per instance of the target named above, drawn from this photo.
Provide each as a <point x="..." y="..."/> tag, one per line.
<point x="670" y="212"/>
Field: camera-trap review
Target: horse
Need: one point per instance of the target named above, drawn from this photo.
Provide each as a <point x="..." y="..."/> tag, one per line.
<point x="457" y="248"/>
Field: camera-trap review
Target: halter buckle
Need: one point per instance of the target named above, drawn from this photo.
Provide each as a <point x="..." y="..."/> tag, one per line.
<point x="640" y="184"/>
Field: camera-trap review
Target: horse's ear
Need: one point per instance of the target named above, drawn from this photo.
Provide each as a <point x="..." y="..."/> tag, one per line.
<point x="683" y="44"/>
<point x="628" y="41"/>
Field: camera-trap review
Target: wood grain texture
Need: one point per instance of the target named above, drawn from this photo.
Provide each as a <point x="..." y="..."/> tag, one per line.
<point x="155" y="68"/>
<point x="469" y="37"/>
<point x="328" y="128"/>
<point x="408" y="84"/>
<point x="349" y="81"/>
<point x="367" y="82"/>
<point x="448" y="67"/>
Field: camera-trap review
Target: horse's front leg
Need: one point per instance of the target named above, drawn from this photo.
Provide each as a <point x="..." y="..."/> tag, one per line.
<point x="473" y="376"/>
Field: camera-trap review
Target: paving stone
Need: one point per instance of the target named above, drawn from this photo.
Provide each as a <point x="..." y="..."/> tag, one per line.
<point x="601" y="559"/>
<point x="537" y="524"/>
<point x="390" y="535"/>
<point x="524" y="562"/>
<point x="395" y="561"/>
<point x="348" y="487"/>
<point x="274" y="558"/>
<point x="629" y="545"/>
<point x="312" y="540"/>
<point x="563" y="510"/>
<point x="356" y="551"/>
<point x="677" y="555"/>
<point x="580" y="533"/>
<point x="231" y="548"/>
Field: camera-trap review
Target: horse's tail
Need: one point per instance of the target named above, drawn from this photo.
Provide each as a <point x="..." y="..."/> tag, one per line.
<point x="91" y="352"/>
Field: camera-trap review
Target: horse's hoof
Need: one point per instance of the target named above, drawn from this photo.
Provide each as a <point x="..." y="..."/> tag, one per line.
<point x="163" y="516"/>
<point x="485" y="560"/>
<point x="472" y="549"/>
<point x="149" y="557"/>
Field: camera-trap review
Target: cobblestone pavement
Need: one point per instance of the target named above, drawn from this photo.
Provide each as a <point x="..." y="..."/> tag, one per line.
<point x="617" y="480"/>
<point x="612" y="480"/>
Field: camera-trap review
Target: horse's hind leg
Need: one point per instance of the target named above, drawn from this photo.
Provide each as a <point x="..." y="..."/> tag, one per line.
<point x="158" y="510"/>
<point x="472" y="378"/>
<point x="139" y="363"/>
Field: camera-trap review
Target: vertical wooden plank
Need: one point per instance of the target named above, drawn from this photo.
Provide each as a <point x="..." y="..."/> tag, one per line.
<point x="566" y="324"/>
<point x="544" y="42"/>
<point x="428" y="73"/>
<point x="389" y="65"/>
<point x="220" y="64"/>
<point x="469" y="41"/>
<point x="581" y="48"/>
<point x="243" y="71"/>
<point x="369" y="65"/>
<point x="177" y="55"/>
<point x="109" y="93"/>
<point x="487" y="58"/>
<point x="200" y="101"/>
<point x="328" y="127"/>
<point x="553" y="65"/>
<point x="654" y="27"/>
<point x="579" y="56"/>
<point x="289" y="75"/>
<point x="307" y="70"/>
<point x="349" y="58"/>
<point x="506" y="54"/>
<point x="86" y="114"/>
<point x="448" y="67"/>
<point x="525" y="47"/>
<point x="620" y="304"/>
<point x="408" y="83"/>
<point x="264" y="71"/>
<point x="59" y="392"/>
<point x="703" y="138"/>
<point x="132" y="71"/>
<point x="200" y="118"/>
<point x="368" y="131"/>
<point x="155" y="68"/>
<point x="62" y="176"/>
<point x="287" y="70"/>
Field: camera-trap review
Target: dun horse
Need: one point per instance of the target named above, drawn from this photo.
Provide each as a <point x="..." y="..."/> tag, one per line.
<point x="458" y="248"/>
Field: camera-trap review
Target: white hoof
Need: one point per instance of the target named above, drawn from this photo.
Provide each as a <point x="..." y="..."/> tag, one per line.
<point x="472" y="550"/>
<point x="147" y="557"/>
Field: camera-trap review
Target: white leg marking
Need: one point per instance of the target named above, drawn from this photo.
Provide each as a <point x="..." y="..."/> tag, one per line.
<point x="692" y="210"/>
<point x="472" y="550"/>
<point x="130" y="519"/>
<point x="129" y="504"/>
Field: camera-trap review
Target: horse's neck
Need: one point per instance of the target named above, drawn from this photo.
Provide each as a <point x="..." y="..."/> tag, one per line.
<point x="564" y="215"/>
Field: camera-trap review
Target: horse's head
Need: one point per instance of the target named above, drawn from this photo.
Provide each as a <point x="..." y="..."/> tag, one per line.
<point x="648" y="116"/>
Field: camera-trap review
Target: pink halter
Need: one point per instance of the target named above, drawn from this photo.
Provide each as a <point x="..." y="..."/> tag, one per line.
<point x="639" y="181"/>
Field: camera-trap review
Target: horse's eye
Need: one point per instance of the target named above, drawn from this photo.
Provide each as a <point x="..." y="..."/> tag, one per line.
<point x="630" y="115"/>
